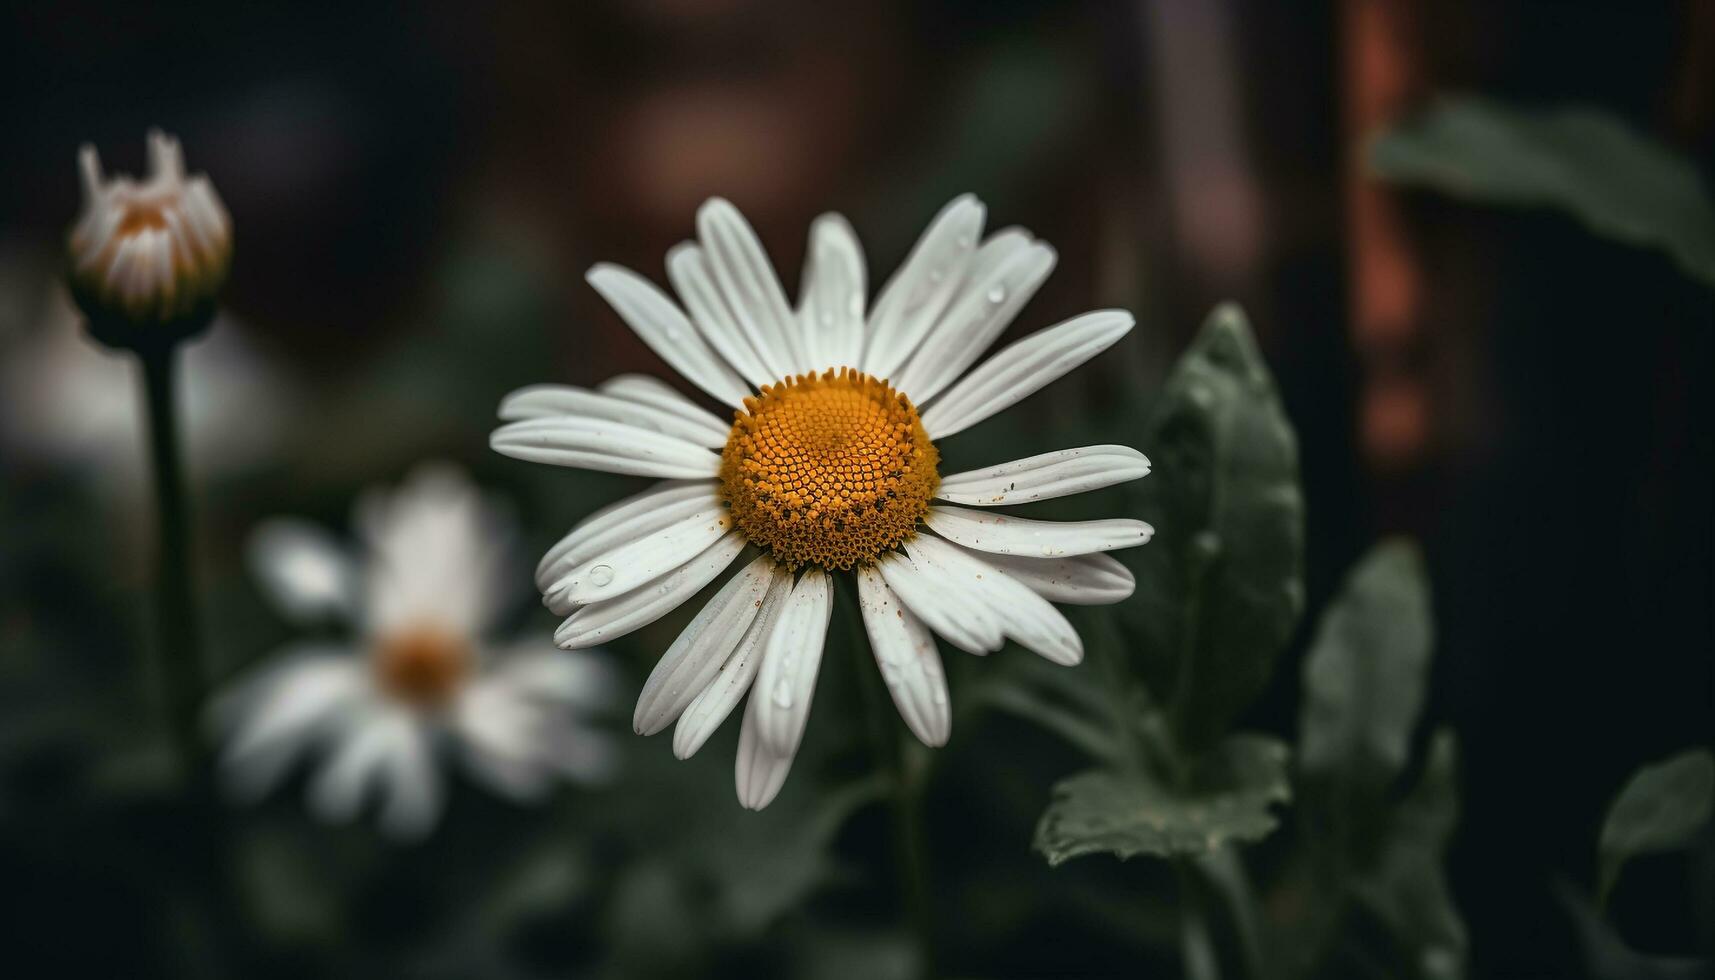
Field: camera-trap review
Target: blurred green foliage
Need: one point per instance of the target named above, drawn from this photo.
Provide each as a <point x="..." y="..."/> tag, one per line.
<point x="1580" y="161"/>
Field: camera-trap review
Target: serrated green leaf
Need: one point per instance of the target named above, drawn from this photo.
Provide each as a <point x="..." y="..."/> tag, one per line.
<point x="1662" y="807"/>
<point x="1228" y="798"/>
<point x="1220" y="588"/>
<point x="1364" y="685"/>
<point x="1585" y="162"/>
<point x="1406" y="888"/>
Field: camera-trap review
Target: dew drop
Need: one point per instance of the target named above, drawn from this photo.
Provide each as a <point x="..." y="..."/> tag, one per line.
<point x="782" y="694"/>
<point x="936" y="275"/>
<point x="940" y="695"/>
<point x="601" y="575"/>
<point x="997" y="295"/>
<point x="965" y="241"/>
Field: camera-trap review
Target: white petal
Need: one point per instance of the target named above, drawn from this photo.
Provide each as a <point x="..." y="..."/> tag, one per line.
<point x="759" y="770"/>
<point x="596" y="444"/>
<point x="722" y="694"/>
<point x="492" y="715"/>
<point x="646" y="390"/>
<point x="746" y="278"/>
<point x="436" y="549"/>
<point x="411" y="801"/>
<point x="1024" y="616"/>
<point x="1005" y="535"/>
<point x="551" y="401"/>
<point x="1082" y="580"/>
<point x="304" y="570"/>
<point x="1023" y="368"/>
<point x="602" y="621"/>
<point x="613" y="572"/>
<point x="685" y="670"/>
<point x="1056" y="474"/>
<point x="582" y="754"/>
<point x="830" y="302"/>
<point x="910" y="665"/>
<point x="787" y="681"/>
<point x="630" y="519"/>
<point x="337" y="792"/>
<point x="666" y="330"/>
<point x="917" y="294"/>
<point x="522" y="781"/>
<point x="535" y="671"/>
<point x="272" y="716"/>
<point x="952" y="614"/>
<point x="688" y="268"/>
<point x="975" y="318"/>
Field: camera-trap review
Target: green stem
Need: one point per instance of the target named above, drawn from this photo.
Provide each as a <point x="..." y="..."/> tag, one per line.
<point x="894" y="750"/>
<point x="1226" y="877"/>
<point x="1196" y="945"/>
<point x="177" y="650"/>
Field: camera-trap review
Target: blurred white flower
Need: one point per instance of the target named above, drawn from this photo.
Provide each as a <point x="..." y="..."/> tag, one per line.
<point x="148" y="251"/>
<point x="825" y="464"/>
<point x="421" y="679"/>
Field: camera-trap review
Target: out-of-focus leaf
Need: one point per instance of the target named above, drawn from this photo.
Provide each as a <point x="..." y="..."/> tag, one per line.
<point x="1661" y="808"/>
<point x="1582" y="161"/>
<point x="1220" y="588"/>
<point x="1606" y="955"/>
<point x="1228" y="797"/>
<point x="1406" y="888"/>
<point x="762" y="867"/>
<point x="1364" y="685"/>
<point x="833" y="953"/>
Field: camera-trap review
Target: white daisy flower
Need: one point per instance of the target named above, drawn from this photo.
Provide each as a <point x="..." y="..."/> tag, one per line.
<point x="826" y="466"/>
<point x="149" y="251"/>
<point x="422" y="677"/>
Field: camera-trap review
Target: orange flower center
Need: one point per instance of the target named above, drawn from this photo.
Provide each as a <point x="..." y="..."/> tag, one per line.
<point x="829" y="470"/>
<point x="423" y="665"/>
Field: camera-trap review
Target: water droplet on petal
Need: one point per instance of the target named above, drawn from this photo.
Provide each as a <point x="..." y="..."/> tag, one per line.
<point x="936" y="275"/>
<point x="783" y="694"/>
<point x="601" y="575"/>
<point x="965" y="241"/>
<point x="997" y="295"/>
<point x="826" y="318"/>
<point x="940" y="695"/>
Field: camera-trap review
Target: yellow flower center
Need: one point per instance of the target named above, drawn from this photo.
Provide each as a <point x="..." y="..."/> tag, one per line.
<point x="828" y="469"/>
<point x="422" y="666"/>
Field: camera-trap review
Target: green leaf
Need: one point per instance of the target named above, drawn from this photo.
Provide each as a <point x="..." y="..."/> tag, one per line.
<point x="1582" y="161"/>
<point x="1661" y="808"/>
<point x="1606" y="955"/>
<point x="1364" y="685"/>
<point x="1406" y="888"/>
<point x="1221" y="588"/>
<point x="1227" y="798"/>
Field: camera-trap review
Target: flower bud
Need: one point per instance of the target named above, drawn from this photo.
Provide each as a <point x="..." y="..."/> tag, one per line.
<point x="147" y="256"/>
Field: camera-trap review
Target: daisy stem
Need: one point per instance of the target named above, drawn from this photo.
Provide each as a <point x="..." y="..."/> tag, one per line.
<point x="178" y="654"/>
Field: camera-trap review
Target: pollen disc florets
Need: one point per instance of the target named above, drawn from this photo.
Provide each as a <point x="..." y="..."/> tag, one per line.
<point x="829" y="470"/>
<point x="423" y="665"/>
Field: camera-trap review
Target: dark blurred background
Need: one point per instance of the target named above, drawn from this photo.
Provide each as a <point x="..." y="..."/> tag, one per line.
<point x="417" y="193"/>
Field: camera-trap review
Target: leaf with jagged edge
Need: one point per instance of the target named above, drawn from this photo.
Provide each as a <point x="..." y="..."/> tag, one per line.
<point x="1228" y="798"/>
<point x="1220" y="588"/>
<point x="1661" y="808"/>
<point x="1582" y="161"/>
<point x="1364" y="685"/>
